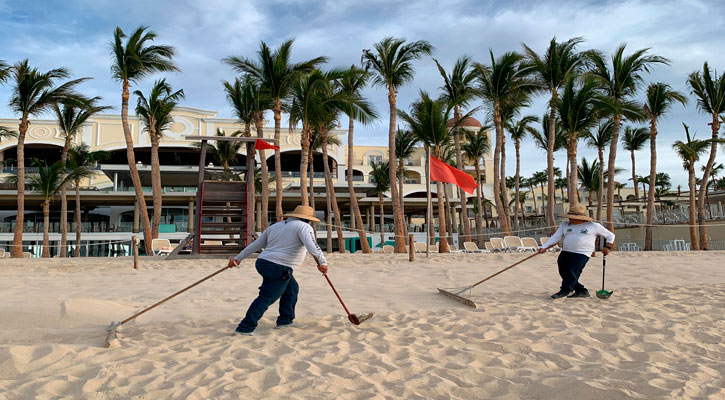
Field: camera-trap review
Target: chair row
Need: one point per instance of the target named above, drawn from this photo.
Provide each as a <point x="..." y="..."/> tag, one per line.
<point x="509" y="244"/>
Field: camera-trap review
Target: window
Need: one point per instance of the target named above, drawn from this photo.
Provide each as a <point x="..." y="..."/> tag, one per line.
<point x="375" y="159"/>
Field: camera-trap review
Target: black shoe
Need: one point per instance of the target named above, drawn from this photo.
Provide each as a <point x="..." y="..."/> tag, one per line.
<point x="580" y="293"/>
<point x="559" y="294"/>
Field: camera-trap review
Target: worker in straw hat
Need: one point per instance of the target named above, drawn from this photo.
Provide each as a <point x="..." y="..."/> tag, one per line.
<point x="578" y="237"/>
<point x="285" y="245"/>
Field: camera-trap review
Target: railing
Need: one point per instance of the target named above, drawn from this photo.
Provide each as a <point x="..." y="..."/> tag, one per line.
<point x="356" y="178"/>
<point x="412" y="181"/>
<point x="296" y="174"/>
<point x="86" y="227"/>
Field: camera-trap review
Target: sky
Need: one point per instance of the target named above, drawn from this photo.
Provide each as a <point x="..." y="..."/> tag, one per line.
<point x="76" y="34"/>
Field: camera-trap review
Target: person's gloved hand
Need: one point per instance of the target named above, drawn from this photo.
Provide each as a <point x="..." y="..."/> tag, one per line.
<point x="233" y="263"/>
<point x="322" y="268"/>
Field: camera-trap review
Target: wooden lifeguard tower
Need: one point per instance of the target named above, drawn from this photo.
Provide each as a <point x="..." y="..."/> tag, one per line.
<point x="229" y="205"/>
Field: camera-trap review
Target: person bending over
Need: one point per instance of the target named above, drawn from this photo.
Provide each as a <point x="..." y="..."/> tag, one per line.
<point x="578" y="237"/>
<point x="285" y="245"/>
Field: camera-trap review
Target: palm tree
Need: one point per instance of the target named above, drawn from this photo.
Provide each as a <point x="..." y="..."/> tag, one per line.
<point x="33" y="93"/>
<point x="391" y="62"/>
<point x="590" y="176"/>
<point x="690" y="152"/>
<point x="427" y="119"/>
<point x="380" y="177"/>
<point x="448" y="156"/>
<point x="81" y="164"/>
<point x="600" y="139"/>
<point x="633" y="140"/>
<point x="154" y="114"/>
<point x="47" y="183"/>
<point x="316" y="143"/>
<point x="540" y="178"/>
<point x="405" y="145"/>
<point x="659" y="100"/>
<point x="518" y="130"/>
<point x="475" y="148"/>
<point x="509" y="111"/>
<point x="352" y="84"/>
<point x="459" y="90"/>
<point x="277" y="75"/>
<point x="501" y="83"/>
<point x="620" y="83"/>
<point x="578" y="113"/>
<point x="70" y="118"/>
<point x="552" y="69"/>
<point x="709" y="88"/>
<point x="132" y="61"/>
<point x="4" y="71"/>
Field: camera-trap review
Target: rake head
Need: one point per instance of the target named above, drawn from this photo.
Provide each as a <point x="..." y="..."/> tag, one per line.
<point x="111" y="333"/>
<point x="604" y="294"/>
<point x="359" y="319"/>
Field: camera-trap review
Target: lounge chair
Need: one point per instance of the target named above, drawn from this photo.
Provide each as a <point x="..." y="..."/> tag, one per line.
<point x="470" y="247"/>
<point x="419" y="247"/>
<point x="212" y="243"/>
<point x="161" y="247"/>
<point x="498" y="245"/>
<point x="2" y="253"/>
<point x="513" y="244"/>
<point x="529" y="244"/>
<point x="489" y="247"/>
<point x="388" y="249"/>
<point x="545" y="239"/>
<point x="27" y="254"/>
<point x="433" y="248"/>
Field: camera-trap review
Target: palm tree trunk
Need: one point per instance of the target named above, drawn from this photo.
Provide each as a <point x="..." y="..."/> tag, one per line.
<point x="77" y="219"/>
<point x="504" y="188"/>
<point x="517" y="204"/>
<point x="17" y="249"/>
<point x="278" y="159"/>
<point x="331" y="195"/>
<point x="634" y="176"/>
<point x="440" y="195"/>
<point x="693" y="187"/>
<point x="653" y="181"/>
<point x="351" y="188"/>
<point x="503" y="221"/>
<point x="704" y="242"/>
<point x="463" y="217"/>
<point x="481" y="208"/>
<point x="550" y="221"/>
<point x="64" y="200"/>
<point x="131" y="157"/>
<point x="328" y="225"/>
<point x="449" y="216"/>
<point x="304" y="160"/>
<point x="610" y="171"/>
<point x="397" y="212"/>
<point x="265" y="173"/>
<point x="600" y="192"/>
<point x="382" y="222"/>
<point x="46" y="227"/>
<point x="156" y="184"/>
<point x="312" y="179"/>
<point x="574" y="174"/>
<point x="401" y="172"/>
<point x="543" y="196"/>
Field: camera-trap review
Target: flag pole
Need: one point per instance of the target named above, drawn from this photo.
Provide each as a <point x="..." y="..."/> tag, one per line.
<point x="428" y="215"/>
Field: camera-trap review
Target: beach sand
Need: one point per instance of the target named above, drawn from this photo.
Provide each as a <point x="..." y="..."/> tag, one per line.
<point x="660" y="335"/>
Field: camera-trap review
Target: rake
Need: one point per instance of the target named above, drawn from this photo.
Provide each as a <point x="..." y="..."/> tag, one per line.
<point x="456" y="294"/>
<point x="354" y="318"/>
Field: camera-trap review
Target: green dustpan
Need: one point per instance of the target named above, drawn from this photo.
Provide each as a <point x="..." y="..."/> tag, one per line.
<point x="604" y="294"/>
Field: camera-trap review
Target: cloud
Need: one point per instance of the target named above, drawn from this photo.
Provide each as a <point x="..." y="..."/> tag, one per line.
<point x="76" y="33"/>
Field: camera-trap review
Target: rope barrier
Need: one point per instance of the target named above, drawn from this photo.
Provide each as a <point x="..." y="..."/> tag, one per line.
<point x="102" y="243"/>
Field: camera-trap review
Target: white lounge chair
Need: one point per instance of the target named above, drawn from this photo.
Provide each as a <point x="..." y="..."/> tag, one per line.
<point x="498" y="245"/>
<point x="433" y="248"/>
<point x="489" y="247"/>
<point x="470" y="247"/>
<point x="212" y="243"/>
<point x="27" y="254"/>
<point x="388" y="249"/>
<point x="513" y="244"/>
<point x="419" y="247"/>
<point x="545" y="239"/>
<point x="529" y="244"/>
<point x="161" y="247"/>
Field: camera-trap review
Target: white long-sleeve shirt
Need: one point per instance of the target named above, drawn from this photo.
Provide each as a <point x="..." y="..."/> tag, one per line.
<point x="579" y="238"/>
<point x="285" y="243"/>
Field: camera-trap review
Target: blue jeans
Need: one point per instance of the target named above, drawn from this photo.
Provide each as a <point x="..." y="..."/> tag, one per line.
<point x="571" y="266"/>
<point x="277" y="283"/>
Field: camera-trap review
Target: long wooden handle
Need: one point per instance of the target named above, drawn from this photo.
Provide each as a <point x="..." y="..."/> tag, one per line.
<point x="504" y="270"/>
<point x="174" y="295"/>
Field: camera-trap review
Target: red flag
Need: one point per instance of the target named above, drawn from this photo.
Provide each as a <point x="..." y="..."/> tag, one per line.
<point x="262" y="145"/>
<point x="442" y="172"/>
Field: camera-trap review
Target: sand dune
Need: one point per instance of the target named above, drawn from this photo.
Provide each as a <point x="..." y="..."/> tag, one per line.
<point x="659" y="336"/>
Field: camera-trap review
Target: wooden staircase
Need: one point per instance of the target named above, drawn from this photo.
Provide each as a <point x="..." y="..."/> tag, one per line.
<point x="222" y="218"/>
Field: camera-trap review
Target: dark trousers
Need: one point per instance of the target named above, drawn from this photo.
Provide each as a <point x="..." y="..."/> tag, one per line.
<point x="571" y="266"/>
<point x="277" y="283"/>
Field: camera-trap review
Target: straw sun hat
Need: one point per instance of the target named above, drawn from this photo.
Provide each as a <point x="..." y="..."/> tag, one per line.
<point x="579" y="212"/>
<point x="303" y="212"/>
